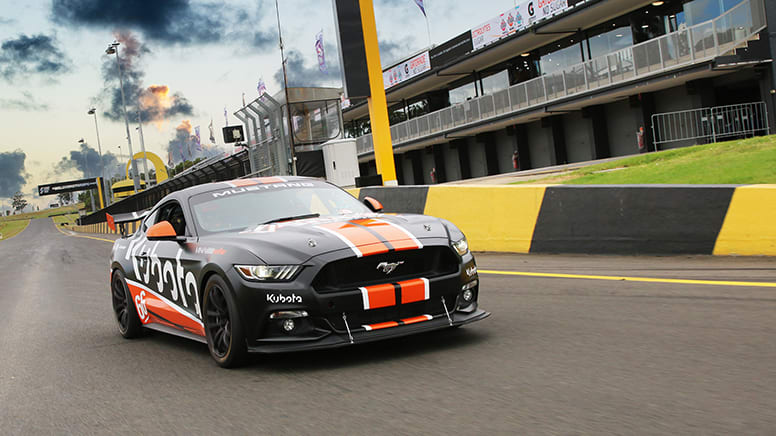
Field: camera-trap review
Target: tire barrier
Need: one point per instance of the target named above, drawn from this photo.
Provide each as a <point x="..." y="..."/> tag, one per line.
<point x="610" y="219"/>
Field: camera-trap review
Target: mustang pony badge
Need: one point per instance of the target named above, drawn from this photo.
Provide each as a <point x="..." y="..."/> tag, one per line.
<point x="389" y="267"/>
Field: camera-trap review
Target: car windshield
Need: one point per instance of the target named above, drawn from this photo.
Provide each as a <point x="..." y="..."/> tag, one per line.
<point x="239" y="208"/>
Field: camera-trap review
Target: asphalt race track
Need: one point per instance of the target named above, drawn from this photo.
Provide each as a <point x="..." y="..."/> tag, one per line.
<point x="560" y="355"/>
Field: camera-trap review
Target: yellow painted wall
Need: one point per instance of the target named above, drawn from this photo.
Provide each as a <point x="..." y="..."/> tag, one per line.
<point x="749" y="228"/>
<point x="493" y="218"/>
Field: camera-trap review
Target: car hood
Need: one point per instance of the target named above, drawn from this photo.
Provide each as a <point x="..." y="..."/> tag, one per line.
<point x="294" y="242"/>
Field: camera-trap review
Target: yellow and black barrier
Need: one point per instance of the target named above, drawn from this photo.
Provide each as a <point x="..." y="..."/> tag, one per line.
<point x="104" y="229"/>
<point x="602" y="219"/>
<point x="629" y="219"/>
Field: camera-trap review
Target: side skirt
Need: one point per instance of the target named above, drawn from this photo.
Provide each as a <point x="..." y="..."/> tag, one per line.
<point x="176" y="332"/>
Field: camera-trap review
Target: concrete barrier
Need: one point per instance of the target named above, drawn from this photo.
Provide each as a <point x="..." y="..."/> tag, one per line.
<point x="632" y="219"/>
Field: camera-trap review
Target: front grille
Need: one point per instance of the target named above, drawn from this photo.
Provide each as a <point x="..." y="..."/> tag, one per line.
<point x="354" y="272"/>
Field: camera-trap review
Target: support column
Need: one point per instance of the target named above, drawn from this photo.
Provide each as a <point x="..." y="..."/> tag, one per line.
<point x="600" y="148"/>
<point x="770" y="17"/>
<point x="398" y="160"/>
<point x="646" y="104"/>
<point x="417" y="166"/>
<point x="488" y="139"/>
<point x="558" y="155"/>
<point x="439" y="163"/>
<point x="463" y="158"/>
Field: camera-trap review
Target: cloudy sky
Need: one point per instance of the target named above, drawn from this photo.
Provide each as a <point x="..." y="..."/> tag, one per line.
<point x="183" y="62"/>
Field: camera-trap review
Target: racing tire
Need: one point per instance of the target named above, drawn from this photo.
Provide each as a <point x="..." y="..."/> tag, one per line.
<point x="124" y="307"/>
<point x="223" y="326"/>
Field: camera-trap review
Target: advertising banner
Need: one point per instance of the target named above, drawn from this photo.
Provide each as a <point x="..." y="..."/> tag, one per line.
<point x="451" y="50"/>
<point x="514" y="20"/>
<point x="75" y="185"/>
<point x="406" y="70"/>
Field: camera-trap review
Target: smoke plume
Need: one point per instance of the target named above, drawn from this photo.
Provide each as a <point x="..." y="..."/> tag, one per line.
<point x="153" y="104"/>
<point x="86" y="160"/>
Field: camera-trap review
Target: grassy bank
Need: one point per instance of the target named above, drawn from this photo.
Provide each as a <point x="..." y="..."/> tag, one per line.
<point x="11" y="228"/>
<point x="748" y="161"/>
<point x="65" y="219"/>
<point x="72" y="209"/>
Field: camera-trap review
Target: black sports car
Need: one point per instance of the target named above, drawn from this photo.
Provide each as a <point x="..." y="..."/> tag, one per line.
<point x="277" y="264"/>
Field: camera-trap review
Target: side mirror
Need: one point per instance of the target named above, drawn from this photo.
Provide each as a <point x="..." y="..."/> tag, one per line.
<point x="163" y="231"/>
<point x="373" y="204"/>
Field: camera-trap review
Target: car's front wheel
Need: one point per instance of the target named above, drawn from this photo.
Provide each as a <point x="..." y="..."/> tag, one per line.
<point x="124" y="308"/>
<point x="223" y="328"/>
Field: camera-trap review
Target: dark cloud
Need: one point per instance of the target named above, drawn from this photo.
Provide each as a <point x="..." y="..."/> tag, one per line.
<point x="394" y="51"/>
<point x="300" y="74"/>
<point x="27" y="103"/>
<point x="12" y="174"/>
<point x="34" y="54"/>
<point x="155" y="102"/>
<point x="264" y="40"/>
<point x="86" y="160"/>
<point x="169" y="21"/>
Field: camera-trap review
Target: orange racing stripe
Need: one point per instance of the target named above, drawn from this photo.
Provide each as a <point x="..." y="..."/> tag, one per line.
<point x="414" y="290"/>
<point x="377" y="296"/>
<point x="399" y="238"/>
<point x="358" y="239"/>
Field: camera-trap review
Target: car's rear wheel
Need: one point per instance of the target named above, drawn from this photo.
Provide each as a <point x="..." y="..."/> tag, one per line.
<point x="124" y="308"/>
<point x="223" y="328"/>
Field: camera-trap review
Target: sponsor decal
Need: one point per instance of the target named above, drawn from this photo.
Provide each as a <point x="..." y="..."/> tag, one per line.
<point x="513" y="20"/>
<point x="210" y="250"/>
<point x="284" y="299"/>
<point x="148" y="268"/>
<point x="472" y="270"/>
<point x="156" y="308"/>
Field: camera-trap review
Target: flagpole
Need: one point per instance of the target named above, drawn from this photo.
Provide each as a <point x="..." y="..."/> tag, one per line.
<point x="285" y="88"/>
<point x="428" y="29"/>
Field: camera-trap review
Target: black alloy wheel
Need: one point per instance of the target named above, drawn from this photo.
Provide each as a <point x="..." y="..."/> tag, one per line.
<point x="223" y="329"/>
<point x="124" y="308"/>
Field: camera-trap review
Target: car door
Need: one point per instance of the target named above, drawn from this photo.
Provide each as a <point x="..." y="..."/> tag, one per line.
<point x="170" y="268"/>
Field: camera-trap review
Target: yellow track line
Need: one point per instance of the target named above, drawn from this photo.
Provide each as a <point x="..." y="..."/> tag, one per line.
<point x="82" y="236"/>
<point x="631" y="279"/>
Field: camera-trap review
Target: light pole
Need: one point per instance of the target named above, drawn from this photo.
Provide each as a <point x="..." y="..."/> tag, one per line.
<point x="106" y="192"/>
<point x="114" y="49"/>
<point x="288" y="101"/>
<point x="142" y="147"/>
<point x="86" y="173"/>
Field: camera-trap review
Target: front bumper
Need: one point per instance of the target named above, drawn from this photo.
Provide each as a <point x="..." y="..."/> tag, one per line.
<point x="336" y="338"/>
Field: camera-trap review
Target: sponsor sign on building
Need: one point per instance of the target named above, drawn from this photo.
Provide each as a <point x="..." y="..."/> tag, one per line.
<point x="406" y="70"/>
<point x="451" y="50"/>
<point x="514" y="20"/>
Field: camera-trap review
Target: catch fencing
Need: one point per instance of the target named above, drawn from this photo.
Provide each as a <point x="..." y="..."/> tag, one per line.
<point x="711" y="124"/>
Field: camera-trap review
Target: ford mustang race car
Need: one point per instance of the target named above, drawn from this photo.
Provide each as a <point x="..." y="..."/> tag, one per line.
<point x="273" y="264"/>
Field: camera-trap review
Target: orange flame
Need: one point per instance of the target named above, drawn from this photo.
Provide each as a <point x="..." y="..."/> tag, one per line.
<point x="184" y="125"/>
<point x="156" y="99"/>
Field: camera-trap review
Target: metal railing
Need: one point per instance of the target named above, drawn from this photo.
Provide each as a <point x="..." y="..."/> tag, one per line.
<point x="711" y="124"/>
<point x="695" y="44"/>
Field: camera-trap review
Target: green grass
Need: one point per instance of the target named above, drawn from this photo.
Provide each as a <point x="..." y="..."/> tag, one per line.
<point x="73" y="208"/>
<point x="748" y="161"/>
<point x="11" y="228"/>
<point x="65" y="219"/>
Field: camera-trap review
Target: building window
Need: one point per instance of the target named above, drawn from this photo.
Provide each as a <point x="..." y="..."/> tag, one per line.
<point x="463" y="93"/>
<point x="560" y="55"/>
<point x="610" y="41"/>
<point x="495" y="82"/>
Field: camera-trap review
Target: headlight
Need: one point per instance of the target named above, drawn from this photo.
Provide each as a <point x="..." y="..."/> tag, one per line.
<point x="265" y="273"/>
<point x="461" y="246"/>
